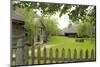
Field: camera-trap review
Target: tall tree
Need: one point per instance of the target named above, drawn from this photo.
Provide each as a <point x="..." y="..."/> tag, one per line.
<point x="31" y="20"/>
<point x="51" y="27"/>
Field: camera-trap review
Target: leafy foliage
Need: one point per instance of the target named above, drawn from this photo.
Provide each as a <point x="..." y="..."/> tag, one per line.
<point x="51" y="26"/>
<point x="86" y="29"/>
<point x="77" y="13"/>
<point x="32" y="22"/>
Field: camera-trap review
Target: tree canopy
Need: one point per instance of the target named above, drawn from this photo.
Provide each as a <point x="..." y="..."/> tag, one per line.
<point x="75" y="12"/>
<point x="84" y="14"/>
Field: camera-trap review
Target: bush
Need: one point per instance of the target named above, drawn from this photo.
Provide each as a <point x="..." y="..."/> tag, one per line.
<point x="79" y="40"/>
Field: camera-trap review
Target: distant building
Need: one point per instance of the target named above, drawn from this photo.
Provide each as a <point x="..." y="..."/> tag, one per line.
<point x="72" y="31"/>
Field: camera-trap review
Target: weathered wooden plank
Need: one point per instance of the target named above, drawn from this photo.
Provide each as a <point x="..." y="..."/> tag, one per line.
<point x="63" y="54"/>
<point x="75" y="54"/>
<point x="33" y="52"/>
<point x="38" y="54"/>
<point x="19" y="53"/>
<point x="26" y="54"/>
<point x="44" y="55"/>
<point x="57" y="55"/>
<point x="51" y="55"/>
<point x="69" y="55"/>
<point x="81" y="54"/>
<point x="92" y="54"/>
<point x="86" y="54"/>
<point x="13" y="57"/>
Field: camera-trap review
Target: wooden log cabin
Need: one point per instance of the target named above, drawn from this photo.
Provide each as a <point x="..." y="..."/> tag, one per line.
<point x="70" y="32"/>
<point x="18" y="31"/>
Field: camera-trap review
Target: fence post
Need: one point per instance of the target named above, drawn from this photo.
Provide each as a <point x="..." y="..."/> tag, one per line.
<point x="69" y="55"/>
<point x="92" y="54"/>
<point x="81" y="54"/>
<point x="63" y="55"/>
<point x="51" y="55"/>
<point x="75" y="54"/>
<point x="26" y="54"/>
<point x="44" y="55"/>
<point x="57" y="53"/>
<point x="38" y="55"/>
<point x="19" y="52"/>
<point x="86" y="54"/>
<point x="33" y="56"/>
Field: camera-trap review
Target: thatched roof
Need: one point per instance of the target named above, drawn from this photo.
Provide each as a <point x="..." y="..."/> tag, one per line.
<point x="15" y="15"/>
<point x="72" y="29"/>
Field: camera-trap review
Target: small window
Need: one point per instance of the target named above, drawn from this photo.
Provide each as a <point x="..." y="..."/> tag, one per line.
<point x="38" y="38"/>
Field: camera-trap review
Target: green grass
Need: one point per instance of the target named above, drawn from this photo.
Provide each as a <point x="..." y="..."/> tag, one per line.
<point x="70" y="43"/>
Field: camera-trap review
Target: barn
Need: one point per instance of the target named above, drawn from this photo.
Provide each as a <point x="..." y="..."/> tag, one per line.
<point x="71" y="32"/>
<point x="19" y="32"/>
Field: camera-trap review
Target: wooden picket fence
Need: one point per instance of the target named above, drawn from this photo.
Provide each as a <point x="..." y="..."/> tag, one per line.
<point x="22" y="54"/>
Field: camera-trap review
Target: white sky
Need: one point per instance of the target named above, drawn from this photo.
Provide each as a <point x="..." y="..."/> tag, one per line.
<point x="63" y="21"/>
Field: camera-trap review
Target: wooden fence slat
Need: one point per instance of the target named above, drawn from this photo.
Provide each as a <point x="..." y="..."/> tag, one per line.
<point x="19" y="52"/>
<point x="44" y="55"/>
<point x="63" y="55"/>
<point x="69" y="55"/>
<point x="86" y="54"/>
<point x="26" y="54"/>
<point x="51" y="55"/>
<point x="13" y="57"/>
<point x="92" y="54"/>
<point x="75" y="54"/>
<point x="57" y="55"/>
<point x="38" y="54"/>
<point x="33" y="54"/>
<point x="81" y="54"/>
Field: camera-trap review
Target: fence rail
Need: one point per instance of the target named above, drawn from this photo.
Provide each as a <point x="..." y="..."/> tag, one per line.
<point x="22" y="55"/>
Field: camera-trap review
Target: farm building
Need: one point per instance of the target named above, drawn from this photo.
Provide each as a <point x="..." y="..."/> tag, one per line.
<point x="19" y="32"/>
<point x="72" y="31"/>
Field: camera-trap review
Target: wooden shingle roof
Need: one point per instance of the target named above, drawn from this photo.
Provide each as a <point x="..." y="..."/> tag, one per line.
<point x="72" y="29"/>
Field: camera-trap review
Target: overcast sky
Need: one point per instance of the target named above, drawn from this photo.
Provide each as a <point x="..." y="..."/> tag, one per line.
<point x="63" y="21"/>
